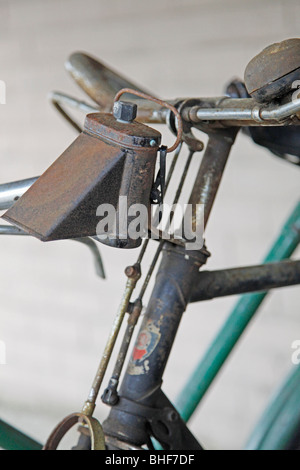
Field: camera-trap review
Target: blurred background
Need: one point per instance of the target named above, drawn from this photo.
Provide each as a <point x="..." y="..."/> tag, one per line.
<point x="55" y="312"/>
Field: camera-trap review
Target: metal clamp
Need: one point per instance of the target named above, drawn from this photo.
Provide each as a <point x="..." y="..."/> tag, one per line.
<point x="94" y="427"/>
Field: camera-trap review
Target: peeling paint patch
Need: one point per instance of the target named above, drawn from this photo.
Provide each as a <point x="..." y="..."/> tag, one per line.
<point x="145" y="345"/>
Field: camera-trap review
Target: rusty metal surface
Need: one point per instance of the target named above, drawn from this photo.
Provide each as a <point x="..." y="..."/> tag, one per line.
<point x="101" y="84"/>
<point x="271" y="73"/>
<point x="168" y="301"/>
<point x="141" y="383"/>
<point x="93" y="426"/>
<point x="159" y="419"/>
<point x="212" y="284"/>
<point x="161" y="103"/>
<point x="210" y="173"/>
<point x="132" y="136"/>
<point x="108" y="159"/>
<point x="99" y="81"/>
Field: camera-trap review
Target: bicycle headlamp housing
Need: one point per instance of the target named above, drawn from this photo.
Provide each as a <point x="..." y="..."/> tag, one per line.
<point x="113" y="156"/>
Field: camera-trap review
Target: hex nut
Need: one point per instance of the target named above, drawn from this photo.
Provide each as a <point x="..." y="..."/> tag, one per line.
<point x="124" y="111"/>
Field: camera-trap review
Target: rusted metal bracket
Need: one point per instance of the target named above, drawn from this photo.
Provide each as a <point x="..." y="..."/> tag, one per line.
<point x="160" y="420"/>
<point x="95" y="430"/>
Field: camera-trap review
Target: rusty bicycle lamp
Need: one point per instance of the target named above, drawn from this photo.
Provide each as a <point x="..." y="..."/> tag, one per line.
<point x="114" y="156"/>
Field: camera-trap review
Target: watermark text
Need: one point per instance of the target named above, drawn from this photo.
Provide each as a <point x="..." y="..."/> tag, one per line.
<point x="184" y="222"/>
<point x="296" y="354"/>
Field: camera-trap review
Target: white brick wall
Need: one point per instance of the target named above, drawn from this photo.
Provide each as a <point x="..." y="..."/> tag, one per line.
<point x="55" y="313"/>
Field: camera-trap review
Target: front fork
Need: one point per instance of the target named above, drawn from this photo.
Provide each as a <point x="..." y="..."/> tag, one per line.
<point x="143" y="411"/>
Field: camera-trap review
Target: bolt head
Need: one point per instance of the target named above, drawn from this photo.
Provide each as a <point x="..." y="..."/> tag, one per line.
<point x="172" y="416"/>
<point x="133" y="271"/>
<point x="124" y="111"/>
<point x="130" y="271"/>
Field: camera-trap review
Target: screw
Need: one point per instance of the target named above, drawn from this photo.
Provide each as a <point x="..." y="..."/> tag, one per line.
<point x="124" y="111"/>
<point x="172" y="416"/>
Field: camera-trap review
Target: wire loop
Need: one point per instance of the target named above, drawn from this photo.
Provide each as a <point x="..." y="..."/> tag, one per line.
<point x="161" y="103"/>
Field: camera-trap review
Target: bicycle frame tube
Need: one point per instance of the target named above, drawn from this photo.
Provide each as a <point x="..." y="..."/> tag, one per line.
<point x="12" y="439"/>
<point x="171" y="294"/>
<point x="246" y="307"/>
<point x="214" y="284"/>
<point x="278" y="428"/>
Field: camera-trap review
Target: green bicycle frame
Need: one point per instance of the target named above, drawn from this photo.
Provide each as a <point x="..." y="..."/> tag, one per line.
<point x="278" y="428"/>
<point x="12" y="439"/>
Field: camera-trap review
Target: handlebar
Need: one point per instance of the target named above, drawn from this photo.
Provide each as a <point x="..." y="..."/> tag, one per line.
<point x="213" y="112"/>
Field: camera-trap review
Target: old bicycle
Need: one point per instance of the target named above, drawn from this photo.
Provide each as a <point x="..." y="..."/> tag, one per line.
<point x="115" y="155"/>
